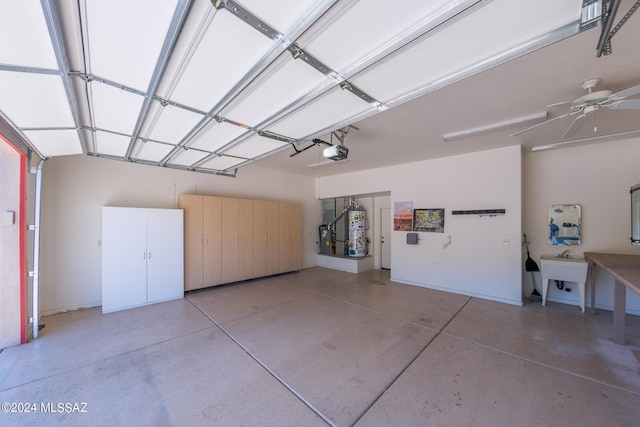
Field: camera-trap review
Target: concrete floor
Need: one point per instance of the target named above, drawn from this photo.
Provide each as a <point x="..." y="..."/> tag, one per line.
<point x="322" y="347"/>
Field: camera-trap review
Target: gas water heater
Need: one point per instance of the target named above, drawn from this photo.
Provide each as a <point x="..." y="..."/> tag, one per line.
<point x="357" y="233"/>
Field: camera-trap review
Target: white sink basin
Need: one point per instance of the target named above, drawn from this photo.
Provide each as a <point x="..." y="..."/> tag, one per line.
<point x="567" y="269"/>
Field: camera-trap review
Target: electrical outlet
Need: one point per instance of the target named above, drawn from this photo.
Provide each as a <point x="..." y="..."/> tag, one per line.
<point x="506" y="242"/>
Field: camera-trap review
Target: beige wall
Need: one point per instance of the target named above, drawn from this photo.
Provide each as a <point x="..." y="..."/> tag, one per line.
<point x="10" y="268"/>
<point x="598" y="177"/>
<point x="76" y="187"/>
<point x="484" y="258"/>
<point x="478" y="262"/>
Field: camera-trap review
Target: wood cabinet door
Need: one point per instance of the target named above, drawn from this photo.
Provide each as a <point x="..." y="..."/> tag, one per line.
<point x="245" y="239"/>
<point x="273" y="237"/>
<point x="229" y="234"/>
<point x="192" y="206"/>
<point x="260" y="238"/>
<point x="296" y="236"/>
<point x="212" y="239"/>
<point x="285" y="237"/>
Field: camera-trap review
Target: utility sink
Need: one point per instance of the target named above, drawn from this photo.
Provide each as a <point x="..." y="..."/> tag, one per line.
<point x="565" y="269"/>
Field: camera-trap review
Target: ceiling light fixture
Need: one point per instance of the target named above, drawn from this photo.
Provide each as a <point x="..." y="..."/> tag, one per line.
<point x="327" y="163"/>
<point x="591" y="139"/>
<point x="276" y="136"/>
<point x="494" y="126"/>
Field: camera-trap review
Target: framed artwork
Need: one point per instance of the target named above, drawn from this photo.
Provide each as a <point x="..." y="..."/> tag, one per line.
<point x="402" y="216"/>
<point x="428" y="220"/>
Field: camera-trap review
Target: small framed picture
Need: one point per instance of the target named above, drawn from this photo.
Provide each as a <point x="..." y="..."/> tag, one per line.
<point x="431" y="220"/>
<point x="402" y="216"/>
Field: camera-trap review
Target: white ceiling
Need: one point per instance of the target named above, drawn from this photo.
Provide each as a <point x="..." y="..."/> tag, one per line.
<point x="191" y="85"/>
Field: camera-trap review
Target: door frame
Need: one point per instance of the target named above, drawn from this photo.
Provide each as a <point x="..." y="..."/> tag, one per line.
<point x="21" y="246"/>
<point x="385" y="233"/>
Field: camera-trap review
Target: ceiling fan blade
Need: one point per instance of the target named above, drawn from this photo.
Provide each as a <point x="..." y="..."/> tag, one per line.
<point x="575" y="126"/>
<point x="540" y="124"/>
<point x="625" y="93"/>
<point x="626" y="104"/>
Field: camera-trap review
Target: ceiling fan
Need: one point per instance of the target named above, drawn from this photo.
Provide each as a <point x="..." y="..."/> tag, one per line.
<point x="588" y="104"/>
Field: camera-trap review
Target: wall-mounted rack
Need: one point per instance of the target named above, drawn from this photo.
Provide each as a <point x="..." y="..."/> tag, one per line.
<point x="480" y="212"/>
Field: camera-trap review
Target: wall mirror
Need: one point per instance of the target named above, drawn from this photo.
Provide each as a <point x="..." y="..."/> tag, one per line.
<point x="565" y="224"/>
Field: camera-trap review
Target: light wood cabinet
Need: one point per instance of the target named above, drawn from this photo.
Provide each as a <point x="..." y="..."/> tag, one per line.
<point x="230" y="239"/>
<point x="202" y="240"/>
<point x="212" y="241"/>
<point x="237" y="239"/>
<point x="192" y="206"/>
<point x="245" y="239"/>
<point x="285" y="237"/>
<point x="260" y="238"/>
<point x="273" y="238"/>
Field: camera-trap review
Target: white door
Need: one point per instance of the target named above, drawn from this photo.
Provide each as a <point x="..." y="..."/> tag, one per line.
<point x="124" y="258"/>
<point x="385" y="238"/>
<point x="165" y="254"/>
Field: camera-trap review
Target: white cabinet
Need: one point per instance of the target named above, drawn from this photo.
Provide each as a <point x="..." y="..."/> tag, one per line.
<point x="142" y="256"/>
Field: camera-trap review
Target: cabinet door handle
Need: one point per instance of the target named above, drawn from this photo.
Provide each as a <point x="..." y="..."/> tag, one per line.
<point x="144" y="255"/>
<point x="149" y="255"/>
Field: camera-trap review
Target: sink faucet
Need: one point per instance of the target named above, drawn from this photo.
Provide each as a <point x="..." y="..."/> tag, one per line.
<point x="564" y="254"/>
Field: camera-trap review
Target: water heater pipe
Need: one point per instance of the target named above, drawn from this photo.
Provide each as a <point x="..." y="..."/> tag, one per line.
<point x="352" y="203"/>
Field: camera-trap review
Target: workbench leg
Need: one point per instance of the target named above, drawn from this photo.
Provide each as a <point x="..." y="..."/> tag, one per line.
<point x="581" y="292"/>
<point x="619" y="308"/>
<point x="592" y="283"/>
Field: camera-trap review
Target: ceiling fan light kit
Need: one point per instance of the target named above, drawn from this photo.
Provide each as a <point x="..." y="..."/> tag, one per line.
<point x="589" y="104"/>
<point x="592" y="96"/>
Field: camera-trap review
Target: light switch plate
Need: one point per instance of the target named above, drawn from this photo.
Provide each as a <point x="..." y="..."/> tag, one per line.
<point x="9" y="217"/>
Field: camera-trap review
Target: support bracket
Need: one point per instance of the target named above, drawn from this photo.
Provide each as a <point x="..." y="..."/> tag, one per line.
<point x="608" y="15"/>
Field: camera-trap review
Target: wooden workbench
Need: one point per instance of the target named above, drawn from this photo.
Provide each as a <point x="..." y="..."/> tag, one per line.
<point x="625" y="270"/>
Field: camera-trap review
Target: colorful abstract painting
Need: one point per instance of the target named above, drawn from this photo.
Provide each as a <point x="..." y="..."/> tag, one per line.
<point x="428" y="220"/>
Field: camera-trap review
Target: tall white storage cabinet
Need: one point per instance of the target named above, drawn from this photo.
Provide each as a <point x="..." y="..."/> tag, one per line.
<point x="142" y="256"/>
